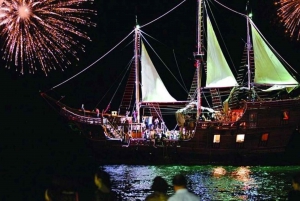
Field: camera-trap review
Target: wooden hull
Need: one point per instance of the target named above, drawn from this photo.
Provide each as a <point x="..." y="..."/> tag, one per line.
<point x="141" y="152"/>
<point x="268" y="134"/>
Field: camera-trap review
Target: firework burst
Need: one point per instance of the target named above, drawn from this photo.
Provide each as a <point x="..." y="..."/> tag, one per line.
<point x="289" y="13"/>
<point x="42" y="34"/>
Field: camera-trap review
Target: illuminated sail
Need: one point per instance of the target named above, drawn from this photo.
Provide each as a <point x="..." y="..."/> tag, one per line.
<point x="153" y="89"/>
<point x="288" y="88"/>
<point x="218" y="71"/>
<point x="268" y="69"/>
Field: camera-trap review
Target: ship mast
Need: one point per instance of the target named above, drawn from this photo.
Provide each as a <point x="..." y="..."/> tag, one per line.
<point x="248" y="46"/>
<point x="137" y="70"/>
<point x="198" y="56"/>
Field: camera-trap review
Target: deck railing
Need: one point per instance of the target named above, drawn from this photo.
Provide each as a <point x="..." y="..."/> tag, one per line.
<point x="79" y="118"/>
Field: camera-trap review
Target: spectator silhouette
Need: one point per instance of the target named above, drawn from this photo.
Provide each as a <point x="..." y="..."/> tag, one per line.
<point x="160" y="188"/>
<point x="103" y="183"/>
<point x="181" y="192"/>
<point x="294" y="194"/>
<point x="63" y="188"/>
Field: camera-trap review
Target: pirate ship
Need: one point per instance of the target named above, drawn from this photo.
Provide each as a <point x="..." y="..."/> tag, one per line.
<point x="251" y="117"/>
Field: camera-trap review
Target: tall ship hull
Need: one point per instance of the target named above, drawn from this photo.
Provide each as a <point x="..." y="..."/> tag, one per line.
<point x="261" y="135"/>
<point x="248" y="121"/>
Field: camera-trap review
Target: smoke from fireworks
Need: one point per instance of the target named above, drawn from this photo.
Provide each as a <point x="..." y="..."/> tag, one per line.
<point x="289" y="13"/>
<point x="43" y="33"/>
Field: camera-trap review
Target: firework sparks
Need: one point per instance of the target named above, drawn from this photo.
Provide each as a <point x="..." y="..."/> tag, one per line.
<point x="289" y="13"/>
<point x="43" y="33"/>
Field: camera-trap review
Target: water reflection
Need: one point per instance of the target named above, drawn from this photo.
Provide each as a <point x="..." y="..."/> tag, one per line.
<point x="241" y="174"/>
<point x="208" y="182"/>
<point x="219" y="171"/>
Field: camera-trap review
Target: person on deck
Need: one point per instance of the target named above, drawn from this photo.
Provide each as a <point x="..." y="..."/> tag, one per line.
<point x="134" y="116"/>
<point x="83" y="110"/>
<point x="97" y="113"/>
<point x="150" y="122"/>
<point x="156" y="122"/>
<point x="127" y="113"/>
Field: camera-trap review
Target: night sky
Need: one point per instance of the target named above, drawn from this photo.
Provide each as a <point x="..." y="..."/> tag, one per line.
<point x="34" y="138"/>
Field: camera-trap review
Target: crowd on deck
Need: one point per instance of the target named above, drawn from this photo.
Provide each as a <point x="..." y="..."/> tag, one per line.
<point x="152" y="130"/>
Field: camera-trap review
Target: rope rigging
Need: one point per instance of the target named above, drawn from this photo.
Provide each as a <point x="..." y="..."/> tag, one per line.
<point x="115" y="81"/>
<point x="109" y="51"/>
<point x="183" y="87"/>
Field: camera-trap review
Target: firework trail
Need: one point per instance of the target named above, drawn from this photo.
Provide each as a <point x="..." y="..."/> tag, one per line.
<point x="42" y="34"/>
<point x="289" y="14"/>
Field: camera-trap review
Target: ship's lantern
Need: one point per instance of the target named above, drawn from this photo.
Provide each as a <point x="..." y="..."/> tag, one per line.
<point x="240" y="138"/>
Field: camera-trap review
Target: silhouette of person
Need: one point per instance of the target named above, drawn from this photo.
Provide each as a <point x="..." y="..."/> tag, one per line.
<point x="63" y="188"/>
<point x="160" y="188"/>
<point x="181" y="192"/>
<point x="294" y="194"/>
<point x="103" y="184"/>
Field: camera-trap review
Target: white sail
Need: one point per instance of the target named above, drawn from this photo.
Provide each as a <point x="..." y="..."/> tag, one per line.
<point x="268" y="69"/>
<point x="288" y="88"/>
<point x="153" y="89"/>
<point x="218" y="71"/>
<point x="274" y="87"/>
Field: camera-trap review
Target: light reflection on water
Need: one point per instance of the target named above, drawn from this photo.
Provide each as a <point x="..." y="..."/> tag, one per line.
<point x="133" y="182"/>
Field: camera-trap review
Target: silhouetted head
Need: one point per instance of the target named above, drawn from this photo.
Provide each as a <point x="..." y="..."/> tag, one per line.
<point x="179" y="180"/>
<point x="57" y="195"/>
<point x="63" y="188"/>
<point x="102" y="178"/>
<point x="160" y="185"/>
<point x="296" y="182"/>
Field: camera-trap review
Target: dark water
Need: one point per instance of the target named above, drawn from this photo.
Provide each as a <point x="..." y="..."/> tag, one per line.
<point x="26" y="173"/>
<point x="209" y="182"/>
